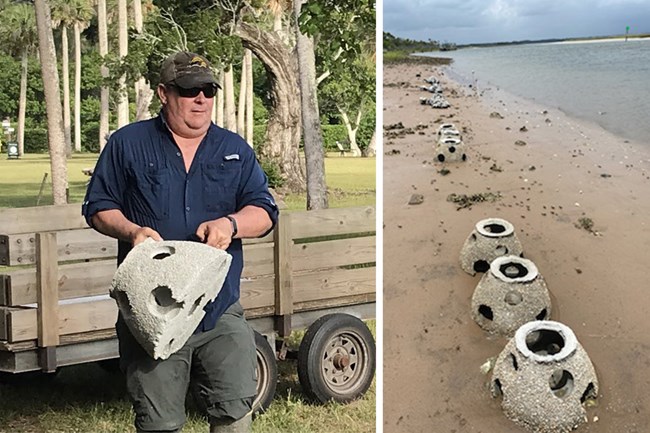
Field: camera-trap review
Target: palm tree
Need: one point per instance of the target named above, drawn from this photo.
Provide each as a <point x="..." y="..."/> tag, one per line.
<point x="75" y="14"/>
<point x="123" y="38"/>
<point x="229" y="99"/>
<point x="245" y="105"/>
<point x="83" y="12"/>
<point x="19" y="33"/>
<point x="50" y="76"/>
<point x="143" y="92"/>
<point x="218" y="112"/>
<point x="61" y="12"/>
<point x="241" y="106"/>
<point x="311" y="129"/>
<point x="104" y="112"/>
<point x="248" y="60"/>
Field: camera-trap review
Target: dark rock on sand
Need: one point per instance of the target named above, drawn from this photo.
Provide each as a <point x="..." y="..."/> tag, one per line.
<point x="416" y="199"/>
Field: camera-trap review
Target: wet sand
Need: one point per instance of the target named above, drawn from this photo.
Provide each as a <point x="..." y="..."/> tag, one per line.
<point x="598" y="281"/>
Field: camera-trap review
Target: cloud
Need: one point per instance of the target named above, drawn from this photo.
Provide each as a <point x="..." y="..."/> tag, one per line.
<point x="467" y="21"/>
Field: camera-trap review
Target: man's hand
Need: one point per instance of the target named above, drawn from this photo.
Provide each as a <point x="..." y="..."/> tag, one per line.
<point x="141" y="234"/>
<point x="216" y="233"/>
<point x="113" y="223"/>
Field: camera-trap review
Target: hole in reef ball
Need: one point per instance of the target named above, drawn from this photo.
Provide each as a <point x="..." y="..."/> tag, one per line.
<point x="494" y="228"/>
<point x="561" y="383"/>
<point x="163" y="252"/>
<point x="544" y="342"/>
<point x="481" y="266"/>
<point x="513" y="270"/>
<point x="485" y="311"/>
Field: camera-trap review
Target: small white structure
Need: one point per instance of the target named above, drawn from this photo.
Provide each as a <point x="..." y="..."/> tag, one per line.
<point x="447" y="129"/>
<point x="453" y="133"/>
<point x="511" y="294"/>
<point x="491" y="238"/>
<point x="162" y="287"/>
<point x="545" y="377"/>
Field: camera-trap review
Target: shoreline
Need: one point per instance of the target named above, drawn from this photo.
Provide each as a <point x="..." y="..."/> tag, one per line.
<point x="490" y="90"/>
<point x="567" y="170"/>
<point x="601" y="40"/>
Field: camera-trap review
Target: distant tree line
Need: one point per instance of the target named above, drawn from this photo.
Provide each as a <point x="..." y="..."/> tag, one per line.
<point x="395" y="43"/>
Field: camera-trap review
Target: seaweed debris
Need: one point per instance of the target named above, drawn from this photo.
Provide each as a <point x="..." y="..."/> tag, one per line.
<point x="463" y="201"/>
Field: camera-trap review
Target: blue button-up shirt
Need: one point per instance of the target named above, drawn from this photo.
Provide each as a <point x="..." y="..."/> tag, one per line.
<point x="142" y="173"/>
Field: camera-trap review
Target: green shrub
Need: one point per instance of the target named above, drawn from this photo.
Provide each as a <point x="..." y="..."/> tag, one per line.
<point x="259" y="131"/>
<point x="36" y="140"/>
<point x="367" y="127"/>
<point x="332" y="134"/>
<point x="272" y="171"/>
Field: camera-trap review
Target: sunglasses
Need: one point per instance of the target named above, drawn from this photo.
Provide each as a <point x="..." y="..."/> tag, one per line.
<point x="208" y="91"/>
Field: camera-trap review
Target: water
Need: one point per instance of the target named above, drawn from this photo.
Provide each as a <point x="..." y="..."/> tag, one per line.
<point x="604" y="82"/>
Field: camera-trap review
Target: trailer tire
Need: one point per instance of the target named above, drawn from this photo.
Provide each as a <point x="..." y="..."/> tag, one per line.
<point x="267" y="375"/>
<point x="336" y="359"/>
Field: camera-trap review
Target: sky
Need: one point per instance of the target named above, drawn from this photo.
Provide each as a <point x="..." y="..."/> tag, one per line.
<point x="476" y="21"/>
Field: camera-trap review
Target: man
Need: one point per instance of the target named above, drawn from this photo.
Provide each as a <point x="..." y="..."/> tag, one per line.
<point x="180" y="177"/>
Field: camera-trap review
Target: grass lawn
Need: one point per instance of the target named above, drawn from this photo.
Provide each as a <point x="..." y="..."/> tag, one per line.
<point x="86" y="398"/>
<point x="351" y="181"/>
<point x="20" y="180"/>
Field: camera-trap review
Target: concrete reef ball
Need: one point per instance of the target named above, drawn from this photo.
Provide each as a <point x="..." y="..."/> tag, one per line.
<point x="162" y="287"/>
<point x="544" y="376"/>
<point x="511" y="294"/>
<point x="491" y="238"/>
<point x="445" y="127"/>
<point x="450" y="149"/>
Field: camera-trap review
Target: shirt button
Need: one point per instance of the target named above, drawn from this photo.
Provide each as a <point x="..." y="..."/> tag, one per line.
<point x="187" y="209"/>
<point x="178" y="154"/>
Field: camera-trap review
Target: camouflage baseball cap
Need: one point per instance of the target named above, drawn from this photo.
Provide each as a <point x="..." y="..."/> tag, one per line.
<point x="187" y="70"/>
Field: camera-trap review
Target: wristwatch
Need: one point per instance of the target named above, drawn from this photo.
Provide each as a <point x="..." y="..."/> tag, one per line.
<point x="233" y="223"/>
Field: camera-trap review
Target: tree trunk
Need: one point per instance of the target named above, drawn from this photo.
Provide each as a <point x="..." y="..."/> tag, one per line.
<point x="143" y="99"/>
<point x="241" y="105"/>
<point x="229" y="90"/>
<point x="282" y="137"/>
<point x="311" y="129"/>
<point x="220" y="101"/>
<point x="123" y="104"/>
<point x="248" y="59"/>
<point x="77" y="87"/>
<point x="352" y="131"/>
<point x="143" y="93"/>
<point x="50" y="73"/>
<point x="372" y="147"/>
<point x="22" y="103"/>
<point x="104" y="111"/>
<point x="65" y="69"/>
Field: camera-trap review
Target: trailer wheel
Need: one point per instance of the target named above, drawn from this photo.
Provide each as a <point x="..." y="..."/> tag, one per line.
<point x="336" y="359"/>
<point x="267" y="375"/>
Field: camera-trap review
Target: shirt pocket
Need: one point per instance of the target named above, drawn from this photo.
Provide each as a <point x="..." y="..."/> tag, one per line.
<point x="220" y="185"/>
<point x="150" y="193"/>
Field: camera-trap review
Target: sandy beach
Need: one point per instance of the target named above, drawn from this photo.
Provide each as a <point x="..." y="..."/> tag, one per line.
<point x="565" y="170"/>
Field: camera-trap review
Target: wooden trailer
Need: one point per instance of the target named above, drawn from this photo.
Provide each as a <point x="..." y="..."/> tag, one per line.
<point x="315" y="271"/>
